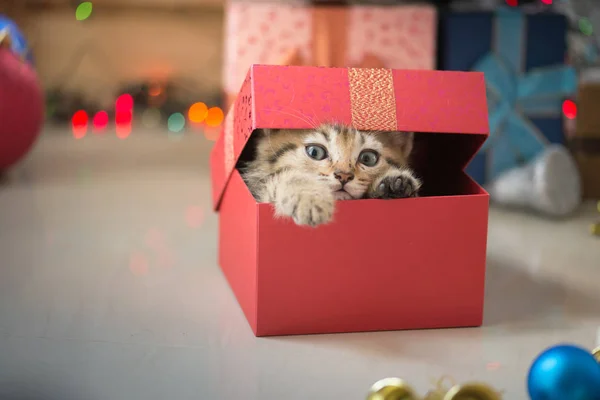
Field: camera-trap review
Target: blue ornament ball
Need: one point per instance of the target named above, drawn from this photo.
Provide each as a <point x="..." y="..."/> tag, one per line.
<point x="564" y="372"/>
<point x="18" y="41"/>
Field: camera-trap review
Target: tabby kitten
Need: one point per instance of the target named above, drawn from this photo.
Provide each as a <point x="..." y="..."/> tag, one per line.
<point x="304" y="172"/>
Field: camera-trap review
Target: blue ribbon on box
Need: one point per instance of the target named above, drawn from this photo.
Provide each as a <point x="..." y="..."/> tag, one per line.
<point x="514" y="96"/>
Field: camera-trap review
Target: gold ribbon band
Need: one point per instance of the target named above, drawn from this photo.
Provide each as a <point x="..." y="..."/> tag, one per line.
<point x="372" y="99"/>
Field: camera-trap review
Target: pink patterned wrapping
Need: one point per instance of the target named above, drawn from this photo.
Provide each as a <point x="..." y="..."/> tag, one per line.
<point x="402" y="37"/>
<point x="259" y="34"/>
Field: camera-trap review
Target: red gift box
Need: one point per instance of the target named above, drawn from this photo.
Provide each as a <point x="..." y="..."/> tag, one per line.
<point x="381" y="264"/>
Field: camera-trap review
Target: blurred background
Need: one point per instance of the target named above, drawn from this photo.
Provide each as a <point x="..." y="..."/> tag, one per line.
<point x="167" y="54"/>
<point x="179" y="63"/>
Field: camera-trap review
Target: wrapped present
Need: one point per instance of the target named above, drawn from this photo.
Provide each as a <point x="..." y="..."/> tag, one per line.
<point x="522" y="57"/>
<point x="585" y="145"/>
<point x="422" y="263"/>
<point x="330" y="36"/>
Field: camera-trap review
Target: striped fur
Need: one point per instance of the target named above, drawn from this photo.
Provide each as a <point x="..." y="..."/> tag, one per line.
<point x="306" y="189"/>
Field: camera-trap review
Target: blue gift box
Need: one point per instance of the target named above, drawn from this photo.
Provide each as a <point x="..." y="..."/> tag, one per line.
<point x="523" y="59"/>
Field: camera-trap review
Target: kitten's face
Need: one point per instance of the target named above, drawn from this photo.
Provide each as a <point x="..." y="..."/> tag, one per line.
<point x="347" y="160"/>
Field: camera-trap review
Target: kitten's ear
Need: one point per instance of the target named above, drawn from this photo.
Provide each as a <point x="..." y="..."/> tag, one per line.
<point x="403" y="141"/>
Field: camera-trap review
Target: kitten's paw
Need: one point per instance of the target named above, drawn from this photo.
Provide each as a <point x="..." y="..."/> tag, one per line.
<point x="401" y="184"/>
<point x="308" y="208"/>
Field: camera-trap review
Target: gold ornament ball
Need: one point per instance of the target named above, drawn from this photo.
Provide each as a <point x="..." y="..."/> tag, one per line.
<point x="472" y="391"/>
<point x="391" y="389"/>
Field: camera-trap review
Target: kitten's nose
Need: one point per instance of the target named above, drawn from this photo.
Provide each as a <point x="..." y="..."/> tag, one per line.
<point x="343" y="177"/>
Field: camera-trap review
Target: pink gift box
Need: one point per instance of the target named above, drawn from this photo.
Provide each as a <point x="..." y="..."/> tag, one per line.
<point x="396" y="37"/>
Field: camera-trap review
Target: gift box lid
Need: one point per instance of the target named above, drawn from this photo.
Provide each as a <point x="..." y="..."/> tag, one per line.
<point x="446" y="103"/>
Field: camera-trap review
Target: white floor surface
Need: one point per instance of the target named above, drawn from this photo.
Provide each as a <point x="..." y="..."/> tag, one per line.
<point x="110" y="290"/>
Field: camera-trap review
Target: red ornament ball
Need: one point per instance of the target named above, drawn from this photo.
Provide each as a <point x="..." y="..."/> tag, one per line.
<point x="21" y="107"/>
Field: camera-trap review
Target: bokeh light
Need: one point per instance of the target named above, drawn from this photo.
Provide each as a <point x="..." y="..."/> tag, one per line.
<point x="197" y="112"/>
<point x="155" y="90"/>
<point x="151" y="117"/>
<point x="79" y="123"/>
<point x="124" y="103"/>
<point x="585" y="26"/>
<point x="79" y="133"/>
<point x="512" y="3"/>
<point x="547" y="1"/>
<point x="123" y="121"/>
<point x="100" y="121"/>
<point x="83" y="11"/>
<point x="176" y="122"/>
<point x="214" y="116"/>
<point x="80" y="118"/>
<point x="569" y="109"/>
<point x="124" y="116"/>
<point x="157" y="94"/>
<point x="123" y="130"/>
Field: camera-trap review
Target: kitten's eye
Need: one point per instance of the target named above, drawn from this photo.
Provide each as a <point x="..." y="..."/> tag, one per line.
<point x="316" y="152"/>
<point x="368" y="158"/>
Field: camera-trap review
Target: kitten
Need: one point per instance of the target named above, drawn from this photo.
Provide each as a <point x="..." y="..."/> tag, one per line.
<point x="303" y="172"/>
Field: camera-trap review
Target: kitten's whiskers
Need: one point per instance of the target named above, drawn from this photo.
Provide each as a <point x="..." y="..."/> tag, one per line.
<point x="301" y="117"/>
